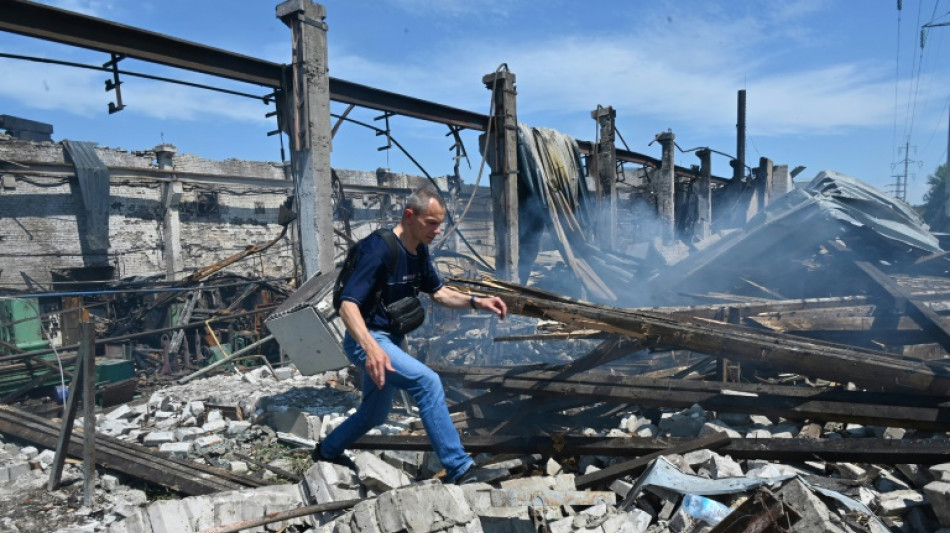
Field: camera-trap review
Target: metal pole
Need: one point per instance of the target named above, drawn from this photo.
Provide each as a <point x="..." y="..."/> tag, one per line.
<point x="739" y="171"/>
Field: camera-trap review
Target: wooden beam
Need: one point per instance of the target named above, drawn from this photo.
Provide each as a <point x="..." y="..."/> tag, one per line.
<point x="863" y="450"/>
<point x="635" y="466"/>
<point x="924" y="316"/>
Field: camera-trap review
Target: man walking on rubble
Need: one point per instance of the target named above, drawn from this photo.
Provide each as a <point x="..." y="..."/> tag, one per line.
<point x="372" y="343"/>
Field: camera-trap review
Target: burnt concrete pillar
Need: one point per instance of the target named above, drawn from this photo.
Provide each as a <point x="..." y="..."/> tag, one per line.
<point x="307" y="105"/>
<point x="604" y="171"/>
<point x="781" y="182"/>
<point x="763" y="178"/>
<point x="666" y="188"/>
<point x="703" y="191"/>
<point x="172" y="193"/>
<point x="503" y="145"/>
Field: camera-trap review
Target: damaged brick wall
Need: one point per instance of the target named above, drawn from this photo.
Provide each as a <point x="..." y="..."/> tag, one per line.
<point x="41" y="214"/>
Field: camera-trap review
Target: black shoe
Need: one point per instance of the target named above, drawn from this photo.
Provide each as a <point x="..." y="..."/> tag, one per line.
<point x="482" y="475"/>
<point x="341" y="460"/>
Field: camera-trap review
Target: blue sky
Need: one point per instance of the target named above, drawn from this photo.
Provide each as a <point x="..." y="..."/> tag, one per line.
<point x="831" y="84"/>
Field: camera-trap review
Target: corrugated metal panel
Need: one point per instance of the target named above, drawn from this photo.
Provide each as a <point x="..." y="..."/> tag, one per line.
<point x="94" y="187"/>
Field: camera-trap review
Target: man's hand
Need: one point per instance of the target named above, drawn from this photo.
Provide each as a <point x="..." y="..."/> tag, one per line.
<point x="377" y="364"/>
<point x="377" y="360"/>
<point x="493" y="304"/>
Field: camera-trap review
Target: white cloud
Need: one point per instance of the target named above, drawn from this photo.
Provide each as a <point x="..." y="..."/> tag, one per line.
<point x="456" y="8"/>
<point x="81" y="92"/>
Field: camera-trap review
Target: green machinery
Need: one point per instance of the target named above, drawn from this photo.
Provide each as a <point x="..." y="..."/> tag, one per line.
<point x="22" y="331"/>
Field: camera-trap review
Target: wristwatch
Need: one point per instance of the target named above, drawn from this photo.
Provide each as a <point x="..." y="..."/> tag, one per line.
<point x="471" y="302"/>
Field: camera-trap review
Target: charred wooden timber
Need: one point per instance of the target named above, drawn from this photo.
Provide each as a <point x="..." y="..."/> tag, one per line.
<point x="130" y="459"/>
<point x="797" y="403"/>
<point x="635" y="466"/>
<point x="856" y="450"/>
<point x="869" y="369"/>
<point x="903" y="302"/>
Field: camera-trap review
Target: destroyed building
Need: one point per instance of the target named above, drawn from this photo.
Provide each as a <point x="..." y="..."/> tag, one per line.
<point x="689" y="352"/>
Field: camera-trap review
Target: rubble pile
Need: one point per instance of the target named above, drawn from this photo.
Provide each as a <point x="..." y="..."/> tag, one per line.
<point x="235" y="421"/>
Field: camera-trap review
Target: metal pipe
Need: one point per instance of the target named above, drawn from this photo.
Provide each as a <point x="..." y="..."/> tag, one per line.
<point x="229" y="358"/>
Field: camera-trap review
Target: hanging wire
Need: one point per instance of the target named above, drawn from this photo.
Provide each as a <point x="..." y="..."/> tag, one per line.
<point x="396" y="143"/>
<point x="481" y="165"/>
<point x="34" y="59"/>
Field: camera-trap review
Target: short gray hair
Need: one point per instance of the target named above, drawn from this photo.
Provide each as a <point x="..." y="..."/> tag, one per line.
<point x="419" y="200"/>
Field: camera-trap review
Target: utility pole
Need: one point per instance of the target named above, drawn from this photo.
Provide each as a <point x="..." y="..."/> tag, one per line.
<point x="900" y="183"/>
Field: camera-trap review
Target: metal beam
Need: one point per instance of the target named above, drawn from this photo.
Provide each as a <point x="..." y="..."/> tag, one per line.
<point x="59" y="25"/>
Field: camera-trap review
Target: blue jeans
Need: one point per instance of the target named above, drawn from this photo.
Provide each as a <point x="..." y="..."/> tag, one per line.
<point x="421" y="383"/>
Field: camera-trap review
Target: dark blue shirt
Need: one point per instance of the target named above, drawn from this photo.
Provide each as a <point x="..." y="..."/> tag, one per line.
<point x="372" y="263"/>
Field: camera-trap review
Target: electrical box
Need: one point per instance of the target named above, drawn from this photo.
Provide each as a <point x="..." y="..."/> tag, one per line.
<point x="301" y="328"/>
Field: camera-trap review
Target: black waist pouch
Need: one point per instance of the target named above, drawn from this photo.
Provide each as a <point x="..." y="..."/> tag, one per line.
<point x="405" y="315"/>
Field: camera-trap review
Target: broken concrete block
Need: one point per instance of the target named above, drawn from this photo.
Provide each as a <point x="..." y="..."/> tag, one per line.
<point x="940" y="472"/>
<point x="850" y="471"/>
<point x="284" y="372"/>
<point x="29" y="452"/>
<point x="168" y="515"/>
<point x="157" y="438"/>
<point x="11" y="472"/>
<point x="378" y="475"/>
<point x="328" y="482"/>
<point x="810" y="431"/>
<point x="562" y="482"/>
<point x="894" y="433"/>
<point x="407" y="461"/>
<point x="193" y="408"/>
<point x="426" y="507"/>
<point x="918" y="477"/>
<point x="815" y="516"/>
<point x="288" y="421"/>
<point x="176" y="449"/>
<point x="208" y="442"/>
<point x="552" y="467"/>
<point x="715" y="426"/>
<point x="216" y="426"/>
<point x="938" y="494"/>
<point x="759" y="434"/>
<point x="187" y="434"/>
<point x="517" y="497"/>
<point x="236" y="428"/>
<point x="46" y="458"/>
<point x="898" y="502"/>
<point x="621" y="487"/>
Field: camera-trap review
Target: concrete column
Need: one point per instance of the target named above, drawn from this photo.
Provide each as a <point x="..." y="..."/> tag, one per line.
<point x="703" y="192"/>
<point x="781" y="181"/>
<point x="763" y="178"/>
<point x="384" y="180"/>
<point x="666" y="188"/>
<point x="171" y="224"/>
<point x="604" y="165"/>
<point x="308" y="108"/>
<point x="503" y="143"/>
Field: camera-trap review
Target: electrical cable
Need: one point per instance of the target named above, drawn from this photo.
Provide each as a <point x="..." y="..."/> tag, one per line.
<point x="265" y="98"/>
<point x="481" y="166"/>
<point x="396" y="143"/>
